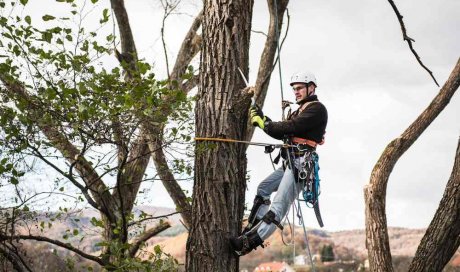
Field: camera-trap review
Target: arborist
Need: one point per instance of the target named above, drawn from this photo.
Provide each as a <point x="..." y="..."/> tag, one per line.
<point x="304" y="128"/>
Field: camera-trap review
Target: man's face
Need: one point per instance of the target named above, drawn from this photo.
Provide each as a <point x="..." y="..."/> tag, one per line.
<point x="300" y="91"/>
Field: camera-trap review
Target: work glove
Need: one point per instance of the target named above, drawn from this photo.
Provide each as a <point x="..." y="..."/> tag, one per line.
<point x="257" y="117"/>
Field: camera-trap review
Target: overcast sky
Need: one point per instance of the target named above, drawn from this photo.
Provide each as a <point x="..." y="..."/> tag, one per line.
<point x="371" y="84"/>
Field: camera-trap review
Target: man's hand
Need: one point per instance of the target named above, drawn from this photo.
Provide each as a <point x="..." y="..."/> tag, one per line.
<point x="257" y="117"/>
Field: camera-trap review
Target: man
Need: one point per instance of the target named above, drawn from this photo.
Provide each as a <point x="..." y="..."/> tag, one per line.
<point x="304" y="127"/>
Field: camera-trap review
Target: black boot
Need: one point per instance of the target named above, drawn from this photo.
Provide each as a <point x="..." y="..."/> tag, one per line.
<point x="244" y="244"/>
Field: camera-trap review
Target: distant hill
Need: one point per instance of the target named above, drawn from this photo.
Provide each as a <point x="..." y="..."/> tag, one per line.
<point x="349" y="246"/>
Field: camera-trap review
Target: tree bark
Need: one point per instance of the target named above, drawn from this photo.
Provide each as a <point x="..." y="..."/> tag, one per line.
<point x="377" y="242"/>
<point x="221" y="111"/>
<point x="442" y="238"/>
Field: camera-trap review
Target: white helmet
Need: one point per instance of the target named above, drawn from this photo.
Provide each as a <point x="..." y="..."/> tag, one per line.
<point x="303" y="77"/>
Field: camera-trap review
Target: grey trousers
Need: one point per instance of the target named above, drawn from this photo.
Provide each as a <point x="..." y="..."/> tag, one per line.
<point x="286" y="188"/>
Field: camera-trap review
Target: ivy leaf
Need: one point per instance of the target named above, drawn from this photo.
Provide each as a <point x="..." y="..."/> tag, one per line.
<point x="94" y="1"/>
<point x="24" y="2"/>
<point x="48" y="17"/>
<point x="28" y="19"/>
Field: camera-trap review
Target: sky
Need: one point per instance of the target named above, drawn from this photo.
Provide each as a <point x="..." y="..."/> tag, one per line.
<point x="369" y="81"/>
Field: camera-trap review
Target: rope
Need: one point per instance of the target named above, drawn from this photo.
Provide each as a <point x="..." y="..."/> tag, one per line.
<point x="300" y="216"/>
<point x="242" y="142"/>
<point x="279" y="52"/>
<point x="306" y="237"/>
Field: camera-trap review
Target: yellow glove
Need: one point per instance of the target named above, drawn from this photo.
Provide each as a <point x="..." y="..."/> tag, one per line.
<point x="257" y="118"/>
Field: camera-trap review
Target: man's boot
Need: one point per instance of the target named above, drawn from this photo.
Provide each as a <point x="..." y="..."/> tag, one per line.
<point x="253" y="220"/>
<point x="245" y="243"/>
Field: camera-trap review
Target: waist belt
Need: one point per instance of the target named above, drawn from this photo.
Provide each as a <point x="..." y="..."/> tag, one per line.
<point x="302" y="141"/>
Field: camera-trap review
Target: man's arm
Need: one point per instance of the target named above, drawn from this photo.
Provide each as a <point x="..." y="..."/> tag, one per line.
<point x="311" y="117"/>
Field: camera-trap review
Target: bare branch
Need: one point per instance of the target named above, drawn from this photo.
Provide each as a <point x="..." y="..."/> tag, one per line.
<point x="167" y="11"/>
<point x="442" y="238"/>
<point x="191" y="45"/>
<point x="138" y="241"/>
<point x="191" y="83"/>
<point x="410" y="40"/>
<point x="151" y="218"/>
<point x="377" y="241"/>
<point x="169" y="182"/>
<point x="267" y="61"/>
<point x="128" y="47"/>
<point x="54" y="242"/>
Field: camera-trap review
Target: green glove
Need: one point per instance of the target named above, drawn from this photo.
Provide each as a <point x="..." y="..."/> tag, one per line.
<point x="257" y="117"/>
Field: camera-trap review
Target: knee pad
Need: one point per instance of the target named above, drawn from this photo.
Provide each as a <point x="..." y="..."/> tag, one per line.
<point x="258" y="200"/>
<point x="270" y="218"/>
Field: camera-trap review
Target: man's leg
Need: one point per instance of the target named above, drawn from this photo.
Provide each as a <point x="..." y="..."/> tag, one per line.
<point x="249" y="240"/>
<point x="287" y="192"/>
<point x="262" y="199"/>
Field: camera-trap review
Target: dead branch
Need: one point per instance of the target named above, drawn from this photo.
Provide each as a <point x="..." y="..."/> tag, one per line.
<point x="377" y="241"/>
<point x="138" y="241"/>
<point x="410" y="40"/>
<point x="442" y="238"/>
<point x="191" y="45"/>
<point x="152" y="218"/>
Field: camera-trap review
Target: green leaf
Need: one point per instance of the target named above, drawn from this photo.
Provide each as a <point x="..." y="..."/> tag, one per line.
<point x="26" y="208"/>
<point x="14" y="181"/>
<point x="75" y="232"/>
<point x="28" y="19"/>
<point x="24" y="2"/>
<point x="94" y="1"/>
<point x="157" y="249"/>
<point x="48" y="17"/>
<point x="61" y="189"/>
<point x="47" y="36"/>
<point x="105" y="16"/>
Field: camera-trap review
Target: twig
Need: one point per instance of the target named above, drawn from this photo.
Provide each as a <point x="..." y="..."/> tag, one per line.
<point x="410" y="40"/>
<point x="152" y="218"/>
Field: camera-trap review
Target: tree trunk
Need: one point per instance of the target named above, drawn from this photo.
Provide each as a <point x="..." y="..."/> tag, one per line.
<point x="442" y="237"/>
<point x="221" y="111"/>
<point x="377" y="242"/>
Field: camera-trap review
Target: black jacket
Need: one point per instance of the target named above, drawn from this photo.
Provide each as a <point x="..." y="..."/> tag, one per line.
<point x="309" y="124"/>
